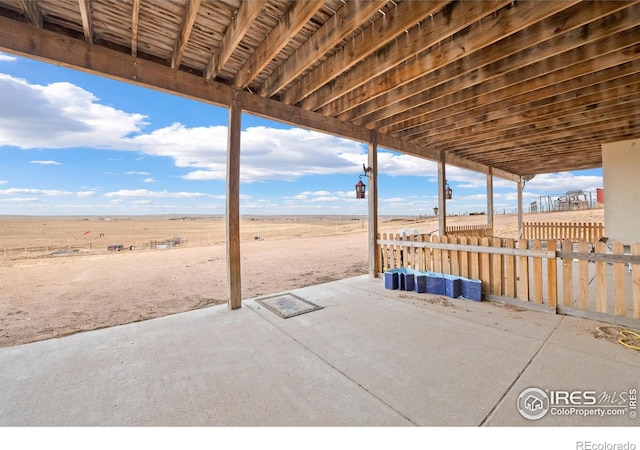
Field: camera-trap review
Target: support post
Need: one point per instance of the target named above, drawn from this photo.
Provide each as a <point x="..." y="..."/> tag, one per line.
<point x="373" y="205"/>
<point x="234" y="295"/>
<point x="520" y="217"/>
<point x="490" y="198"/>
<point x="442" y="200"/>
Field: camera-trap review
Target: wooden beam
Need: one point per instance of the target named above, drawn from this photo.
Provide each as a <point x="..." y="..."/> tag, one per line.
<point x="239" y="26"/>
<point x="180" y="45"/>
<point x="374" y="36"/>
<point x="346" y="20"/>
<point x="520" y="187"/>
<point x="87" y="22"/>
<point x="76" y="54"/>
<point x="295" y="18"/>
<point x="373" y="205"/>
<point x="32" y="10"/>
<point x="234" y="291"/>
<point x="135" y="14"/>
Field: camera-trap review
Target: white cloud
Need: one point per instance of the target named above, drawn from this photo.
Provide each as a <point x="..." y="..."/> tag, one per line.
<point x="43" y="192"/>
<point x="46" y="163"/>
<point x="148" y="180"/>
<point x="133" y="172"/>
<point x="67" y="116"/>
<point x="3" y="181"/>
<point x="84" y="194"/>
<point x="154" y="194"/>
<point x="7" y="58"/>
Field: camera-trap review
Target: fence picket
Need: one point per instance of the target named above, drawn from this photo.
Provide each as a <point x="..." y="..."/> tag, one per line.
<point x="567" y="274"/>
<point x="485" y="268"/>
<point x="619" y="289"/>
<point x="601" y="280"/>
<point x="583" y="267"/>
<point x="444" y="256"/>
<point x="497" y="277"/>
<point x="436" y="254"/>
<point x="635" y="282"/>
<point x="537" y="274"/>
<point x="510" y="267"/>
<point x="523" y="285"/>
<point x="474" y="261"/>
<point x="552" y="276"/>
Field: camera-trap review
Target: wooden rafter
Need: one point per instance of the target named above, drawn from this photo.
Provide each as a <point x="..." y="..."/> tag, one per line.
<point x="344" y="22"/>
<point x="295" y="18"/>
<point x="561" y="33"/>
<point x="408" y="45"/>
<point x="32" y="11"/>
<point x="87" y="21"/>
<point x="374" y="37"/>
<point x="476" y="39"/>
<point x="239" y="26"/>
<point x="135" y="16"/>
<point x="190" y="13"/>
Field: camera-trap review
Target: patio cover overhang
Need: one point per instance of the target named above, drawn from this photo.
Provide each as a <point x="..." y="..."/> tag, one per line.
<point x="505" y="88"/>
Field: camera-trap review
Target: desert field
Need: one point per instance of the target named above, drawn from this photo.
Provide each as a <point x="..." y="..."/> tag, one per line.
<point x="58" y="276"/>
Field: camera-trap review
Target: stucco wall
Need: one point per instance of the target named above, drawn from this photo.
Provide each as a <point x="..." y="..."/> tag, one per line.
<point x="621" y="169"/>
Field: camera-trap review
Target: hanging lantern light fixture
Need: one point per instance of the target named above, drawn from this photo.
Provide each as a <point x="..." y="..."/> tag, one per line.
<point x="360" y="187"/>
<point x="448" y="192"/>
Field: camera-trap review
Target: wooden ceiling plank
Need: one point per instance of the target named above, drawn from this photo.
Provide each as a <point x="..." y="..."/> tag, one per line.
<point x="180" y="45"/>
<point x="395" y="110"/>
<point x="584" y="123"/>
<point x="135" y="17"/>
<point x="373" y="37"/>
<point x="32" y="10"/>
<point x="239" y="26"/>
<point x="295" y="18"/>
<point x="586" y="101"/>
<point x="594" y="58"/>
<point x="627" y="122"/>
<point x="504" y="24"/>
<point x="87" y="21"/>
<point x="346" y="20"/>
<point x="453" y="18"/>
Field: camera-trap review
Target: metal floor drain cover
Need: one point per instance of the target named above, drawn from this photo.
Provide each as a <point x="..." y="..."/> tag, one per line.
<point x="288" y="305"/>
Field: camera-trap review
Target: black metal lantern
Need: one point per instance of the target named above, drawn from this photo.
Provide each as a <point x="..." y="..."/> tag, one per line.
<point x="448" y="192"/>
<point x="360" y="189"/>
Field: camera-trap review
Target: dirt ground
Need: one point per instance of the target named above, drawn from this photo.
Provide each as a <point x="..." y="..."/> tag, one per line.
<point x="57" y="277"/>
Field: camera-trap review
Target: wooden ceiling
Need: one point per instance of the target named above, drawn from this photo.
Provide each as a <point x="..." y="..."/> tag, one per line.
<point x="523" y="87"/>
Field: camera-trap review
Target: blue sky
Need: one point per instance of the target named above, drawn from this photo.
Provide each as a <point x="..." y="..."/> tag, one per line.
<point x="77" y="144"/>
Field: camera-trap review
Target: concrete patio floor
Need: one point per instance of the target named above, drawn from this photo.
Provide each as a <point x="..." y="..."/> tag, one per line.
<point x="371" y="357"/>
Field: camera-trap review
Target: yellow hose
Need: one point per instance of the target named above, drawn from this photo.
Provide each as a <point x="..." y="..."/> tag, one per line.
<point x="628" y="338"/>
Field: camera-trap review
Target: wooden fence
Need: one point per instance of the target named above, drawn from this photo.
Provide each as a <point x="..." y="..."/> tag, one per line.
<point x="575" y="231"/>
<point x="470" y="230"/>
<point x="597" y="281"/>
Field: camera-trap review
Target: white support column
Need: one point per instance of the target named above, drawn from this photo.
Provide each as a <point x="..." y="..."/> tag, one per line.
<point x="374" y="257"/>
<point x="442" y="200"/>
<point x="520" y="217"/>
<point x="234" y="292"/>
<point x="490" y="198"/>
